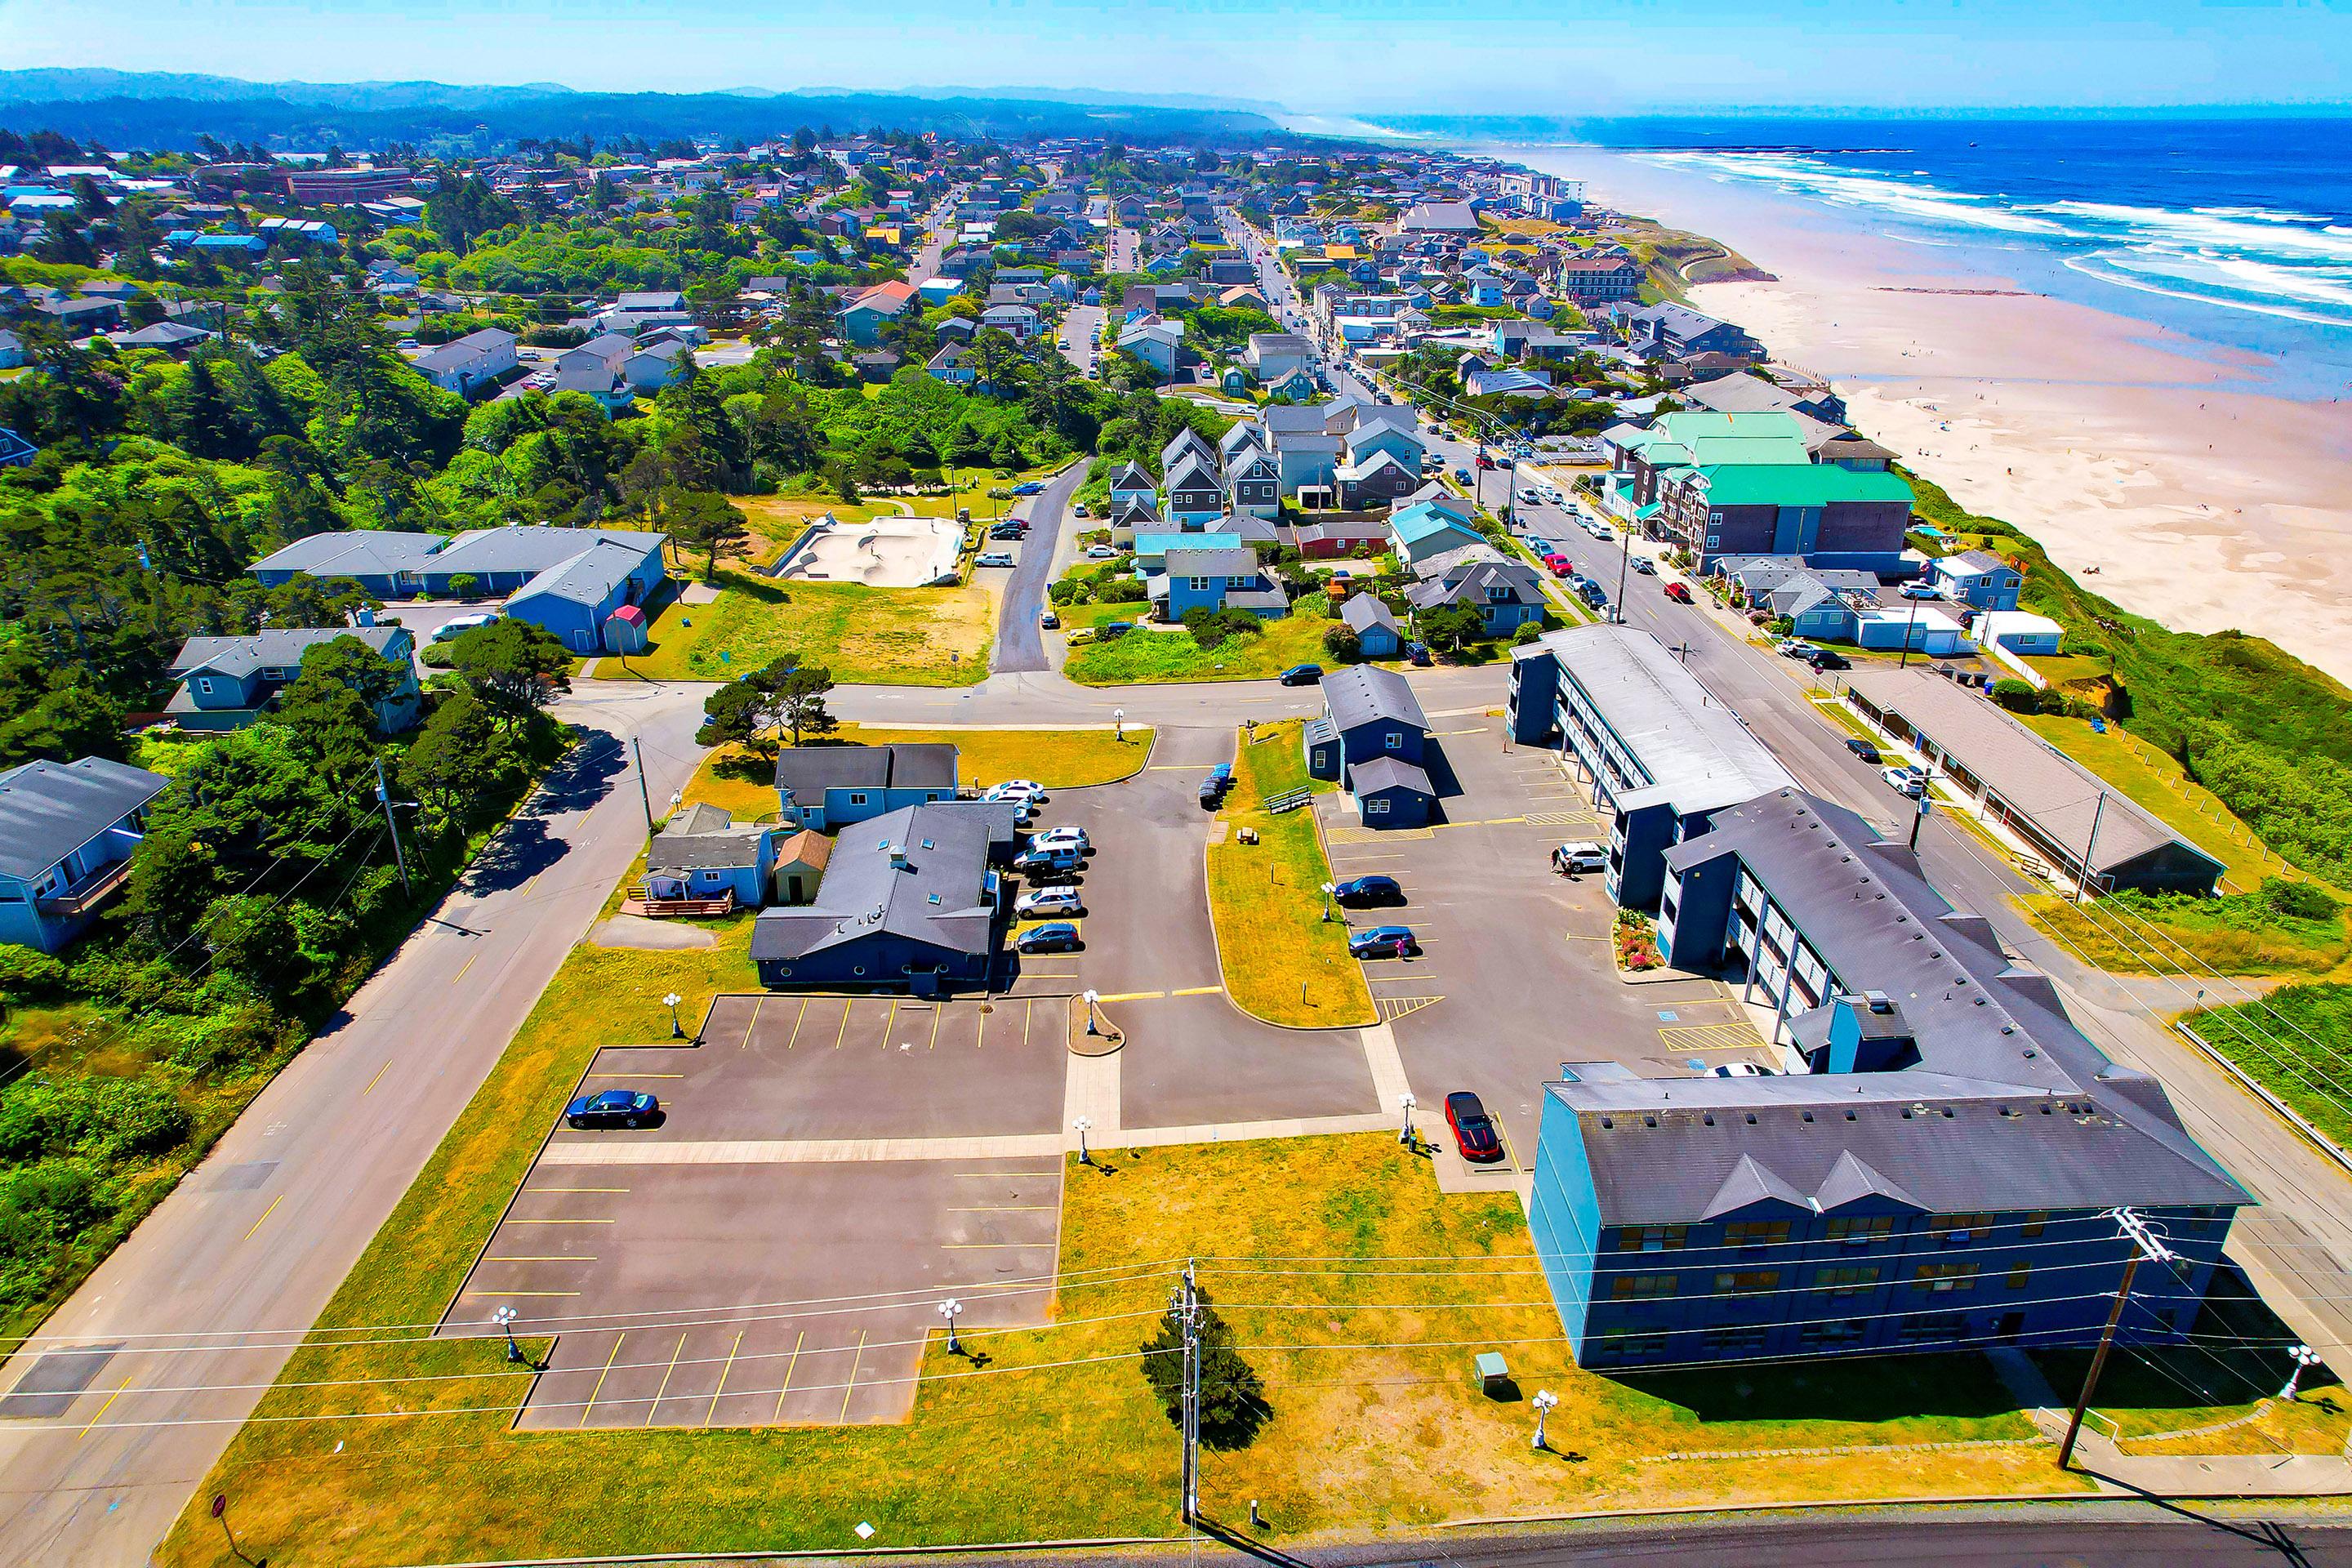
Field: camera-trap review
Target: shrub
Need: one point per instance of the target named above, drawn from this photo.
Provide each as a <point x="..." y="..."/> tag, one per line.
<point x="1062" y="590"/>
<point x="26" y="974"/>
<point x="465" y="585"/>
<point x="2298" y="901"/>
<point x="104" y="1118"/>
<point x="2017" y="695"/>
<point x="1342" y="643"/>
<point x="1528" y="631"/>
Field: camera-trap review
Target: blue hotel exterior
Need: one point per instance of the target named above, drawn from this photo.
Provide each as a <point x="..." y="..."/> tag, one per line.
<point x="1938" y="1166"/>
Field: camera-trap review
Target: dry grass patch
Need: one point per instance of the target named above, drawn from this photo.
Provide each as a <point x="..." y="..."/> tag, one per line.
<point x="886" y="636"/>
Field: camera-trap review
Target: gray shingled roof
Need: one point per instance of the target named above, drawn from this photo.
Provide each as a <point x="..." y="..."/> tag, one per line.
<point x="1377" y="774"/>
<point x="1362" y="693"/>
<point x="534" y="549"/>
<point x="809" y="771"/>
<point x="48" y="810"/>
<point x="354" y="552"/>
<point x="588" y="577"/>
<point x="940" y="852"/>
<point x="1362" y="611"/>
<point x="282" y="647"/>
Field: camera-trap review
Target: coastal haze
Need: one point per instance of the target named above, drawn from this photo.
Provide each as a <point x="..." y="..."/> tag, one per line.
<point x="2190" y="455"/>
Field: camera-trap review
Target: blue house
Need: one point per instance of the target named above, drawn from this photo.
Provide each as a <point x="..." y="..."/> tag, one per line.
<point x="1373" y="739"/>
<point x="909" y="902"/>
<point x="1223" y="577"/>
<point x="1375" y="625"/>
<point x="1425" y="528"/>
<point x="507" y="559"/>
<point x="577" y="598"/>
<point x="68" y="831"/>
<point x="827" y="787"/>
<point x="1977" y="577"/>
<point x="389" y="564"/>
<point x="228" y="682"/>
<point x="1151" y="549"/>
<point x="701" y="854"/>
<point x="1937" y="1167"/>
<point x="1506" y="593"/>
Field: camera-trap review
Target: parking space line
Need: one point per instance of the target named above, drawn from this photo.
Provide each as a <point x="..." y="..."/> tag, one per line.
<point x="589" y="1408"/>
<point x="575" y="1189"/>
<point x="754" y="1024"/>
<point x="1473" y="730"/>
<point x="798" y="1019"/>
<point x="1131" y="997"/>
<point x="794" y="1362"/>
<point x="850" y="1386"/>
<point x="545" y="1257"/>
<point x="513" y="1220"/>
<point x="844" y="1034"/>
<point x="937" y="1014"/>
<point x="989" y="1246"/>
<point x="522" y="1293"/>
<point x="1028" y="1012"/>
<point x="890" y="1023"/>
<point x="264" y="1215"/>
<point x="1000" y="1208"/>
<point x="722" y="1377"/>
<point x="636" y="1074"/>
<point x="1199" y="990"/>
<point x="665" y="1382"/>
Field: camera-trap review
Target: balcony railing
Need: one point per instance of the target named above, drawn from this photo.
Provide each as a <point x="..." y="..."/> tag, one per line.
<point x="88" y="893"/>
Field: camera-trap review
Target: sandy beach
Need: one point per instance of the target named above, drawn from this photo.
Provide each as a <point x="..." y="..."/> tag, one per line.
<point x="2148" y="461"/>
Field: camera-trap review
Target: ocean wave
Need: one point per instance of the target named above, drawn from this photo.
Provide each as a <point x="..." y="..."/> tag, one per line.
<point x="2258" y="296"/>
<point x="1811" y="177"/>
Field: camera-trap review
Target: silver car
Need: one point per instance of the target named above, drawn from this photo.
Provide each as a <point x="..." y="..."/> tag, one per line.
<point x="1039" y="901"/>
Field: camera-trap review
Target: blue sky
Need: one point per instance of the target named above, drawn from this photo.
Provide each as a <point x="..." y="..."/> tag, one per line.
<point x="1561" y="57"/>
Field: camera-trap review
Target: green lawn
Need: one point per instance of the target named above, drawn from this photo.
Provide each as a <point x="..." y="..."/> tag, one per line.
<point x="1146" y="657"/>
<point x="1283" y="962"/>
<point x="2292" y="1042"/>
<point x="888" y="637"/>
<point x="2235" y="935"/>
<point x="2155" y="782"/>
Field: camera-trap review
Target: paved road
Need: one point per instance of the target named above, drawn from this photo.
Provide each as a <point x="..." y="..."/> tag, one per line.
<point x="1019" y="646"/>
<point x="1082" y="329"/>
<point x="259" y="1237"/>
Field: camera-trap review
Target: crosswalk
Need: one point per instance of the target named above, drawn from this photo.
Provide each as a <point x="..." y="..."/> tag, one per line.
<point x="1392" y="1008"/>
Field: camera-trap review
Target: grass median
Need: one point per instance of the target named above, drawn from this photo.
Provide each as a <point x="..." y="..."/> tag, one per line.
<point x="1146" y="657"/>
<point x="1377" y="1417"/>
<point x="1281" y="961"/>
<point x="866" y="636"/>
<point x="732" y="778"/>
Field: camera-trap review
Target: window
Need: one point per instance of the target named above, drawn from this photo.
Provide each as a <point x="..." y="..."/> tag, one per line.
<point x="1642" y="1347"/>
<point x="858" y="798"/>
<point x="205" y="684"/>
<point x="1747" y="1282"/>
<point x="2018" y="1273"/>
<point x="1955" y="1229"/>
<point x="1652" y="1237"/>
<point x="1394" y="740"/>
<point x="2034" y="1222"/>
<point x="1861" y="1230"/>
<point x="1835" y="1332"/>
<point x="1754" y="1233"/>
<point x="1734" y="1342"/>
<point x="1932" y="1326"/>
<point x="1643" y="1287"/>
<point x="1376" y="809"/>
<point x="1845" y="1281"/>
<point x="1945" y="1276"/>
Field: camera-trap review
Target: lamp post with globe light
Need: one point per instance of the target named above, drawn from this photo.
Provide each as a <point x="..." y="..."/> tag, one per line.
<point x="952" y="1309"/>
<point x="1543" y="1402"/>
<point x="677" y="1030"/>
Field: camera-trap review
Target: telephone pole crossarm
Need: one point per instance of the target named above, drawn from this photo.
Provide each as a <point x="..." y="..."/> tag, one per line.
<point x="2148" y="1246"/>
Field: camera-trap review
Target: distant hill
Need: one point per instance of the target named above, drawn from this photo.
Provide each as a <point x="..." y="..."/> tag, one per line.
<point x="132" y="109"/>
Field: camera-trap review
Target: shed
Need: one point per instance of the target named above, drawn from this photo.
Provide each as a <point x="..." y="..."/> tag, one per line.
<point x="800" y="866"/>
<point x="624" y="630"/>
<point x="1392" y="793"/>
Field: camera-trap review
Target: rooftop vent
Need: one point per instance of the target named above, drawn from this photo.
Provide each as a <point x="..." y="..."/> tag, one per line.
<point x="1880" y="1002"/>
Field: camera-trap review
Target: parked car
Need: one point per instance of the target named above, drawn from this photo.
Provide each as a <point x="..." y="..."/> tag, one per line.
<point x="1060" y="936"/>
<point x="1009" y="531"/>
<point x="1079" y="511"/>
<point x="1907" y="782"/>
<point x="1678" y="592"/>
<point x="1028" y="488"/>
<point x="1864" y="750"/>
<point x="1592" y="593"/>
<point x="995" y="558"/>
<point x="1364" y="892"/>
<point x="613" y="1107"/>
<point x="1462" y="475"/>
<point x="1109" y="630"/>
<point x="1102" y="553"/>
<point x="1214" y="787"/>
<point x="1560" y="565"/>
<point x="1051" y="858"/>
<point x="1016" y="789"/>
<point x="1583" y="855"/>
<point x="1795" y="647"/>
<point x="1599" y="529"/>
<point x="1825" y="659"/>
<point x="1645" y="566"/>
<point x="1049" y="902"/>
<point x="1921" y="591"/>
<point x="462" y="625"/>
<point x="1741" y="1070"/>
<point x="1382" y="941"/>
<point x="1047" y="618"/>
<point x="1302" y="675"/>
<point x="1473" y="1130"/>
<point x="1064" y="834"/>
<point x="1417" y="655"/>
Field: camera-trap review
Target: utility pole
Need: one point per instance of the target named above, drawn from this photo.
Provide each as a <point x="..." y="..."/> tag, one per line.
<point x="644" y="795"/>
<point x="384" y="794"/>
<point x="1190" y="1297"/>
<point x="1908" y="627"/>
<point x="2083" y="882"/>
<point x="2145" y="1244"/>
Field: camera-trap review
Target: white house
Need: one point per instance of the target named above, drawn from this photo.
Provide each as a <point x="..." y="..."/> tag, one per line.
<point x="470" y="363"/>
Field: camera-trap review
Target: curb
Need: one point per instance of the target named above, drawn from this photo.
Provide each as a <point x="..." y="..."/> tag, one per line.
<point x="1077" y="1543"/>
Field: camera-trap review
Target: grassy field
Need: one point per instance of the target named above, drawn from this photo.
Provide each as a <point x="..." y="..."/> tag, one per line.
<point x="2231" y="935"/>
<point x="1058" y="759"/>
<point x="1281" y="961"/>
<point x="2292" y="1042"/>
<point x="1146" y="657"/>
<point x="1376" y="1416"/>
<point x="888" y="637"/>
<point x="2154" y="783"/>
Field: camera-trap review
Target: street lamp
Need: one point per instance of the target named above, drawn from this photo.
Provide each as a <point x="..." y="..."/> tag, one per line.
<point x="1118" y="723"/>
<point x="1405" y="1102"/>
<point x="676" y="1031"/>
<point x="1543" y="1402"/>
<point x="1080" y="1126"/>
<point x="1327" y="889"/>
<point x="505" y="1319"/>
<point x="952" y="1309"/>
<point x="2304" y="1356"/>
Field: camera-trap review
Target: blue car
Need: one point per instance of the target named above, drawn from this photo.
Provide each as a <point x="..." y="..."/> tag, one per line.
<point x="613" y="1107"/>
<point x="1031" y="487"/>
<point x="1382" y="941"/>
<point x="1301" y="674"/>
<point x="1060" y="936"/>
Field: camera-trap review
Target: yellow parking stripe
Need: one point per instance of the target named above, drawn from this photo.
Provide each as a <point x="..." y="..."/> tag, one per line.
<point x="601" y="1376"/>
<point x="794" y="1362"/>
<point x="850" y="1386"/>
<point x="722" y="1377"/>
<point x="1199" y="990"/>
<point x="665" y="1382"/>
<point x="543" y="1258"/>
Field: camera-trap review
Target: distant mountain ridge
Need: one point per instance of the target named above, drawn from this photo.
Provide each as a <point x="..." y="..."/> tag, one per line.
<point x="142" y="109"/>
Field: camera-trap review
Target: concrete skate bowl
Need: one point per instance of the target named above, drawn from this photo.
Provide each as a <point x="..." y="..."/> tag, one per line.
<point x="881" y="553"/>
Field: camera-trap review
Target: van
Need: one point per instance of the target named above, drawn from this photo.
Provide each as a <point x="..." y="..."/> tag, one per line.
<point x="1060" y="858"/>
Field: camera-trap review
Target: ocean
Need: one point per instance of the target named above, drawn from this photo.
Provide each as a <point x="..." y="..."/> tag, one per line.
<point x="2233" y="233"/>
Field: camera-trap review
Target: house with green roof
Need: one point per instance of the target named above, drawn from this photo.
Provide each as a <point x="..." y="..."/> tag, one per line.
<point x="1829" y="516"/>
<point x="1423" y="529"/>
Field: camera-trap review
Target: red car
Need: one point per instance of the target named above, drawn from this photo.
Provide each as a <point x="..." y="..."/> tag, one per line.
<point x="1474" y="1130"/>
<point x="1678" y="592"/>
<point x="1560" y="565"/>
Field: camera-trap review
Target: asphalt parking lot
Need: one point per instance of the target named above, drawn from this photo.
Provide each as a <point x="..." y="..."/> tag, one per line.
<point x="826" y="1171"/>
<point x="1190" y="1057"/>
<point x="1515" y="977"/>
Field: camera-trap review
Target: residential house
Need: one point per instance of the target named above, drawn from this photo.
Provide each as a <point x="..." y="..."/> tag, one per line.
<point x="595" y="370"/>
<point x="1374" y="738"/>
<point x="1599" y="279"/>
<point x="576" y="597"/>
<point x="1977" y="577"/>
<point x="229" y="682"/>
<point x="387" y="563"/>
<point x="1425" y="529"/>
<point x="828" y="787"/>
<point x="1157" y="343"/>
<point x="1378" y="635"/>
<point x="68" y="831"/>
<point x="1019" y="322"/>
<point x="1253" y="484"/>
<point x="1334" y="537"/>
<point x="1273" y="355"/>
<point x="953" y="364"/>
<point x="1506" y="593"/>
<point x="1220" y="577"/>
<point x="1194" y="491"/>
<point x="469" y="364"/>
<point x="909" y="903"/>
<point x="1676" y="331"/>
<point x="701" y="855"/>
<point x="863" y="317"/>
